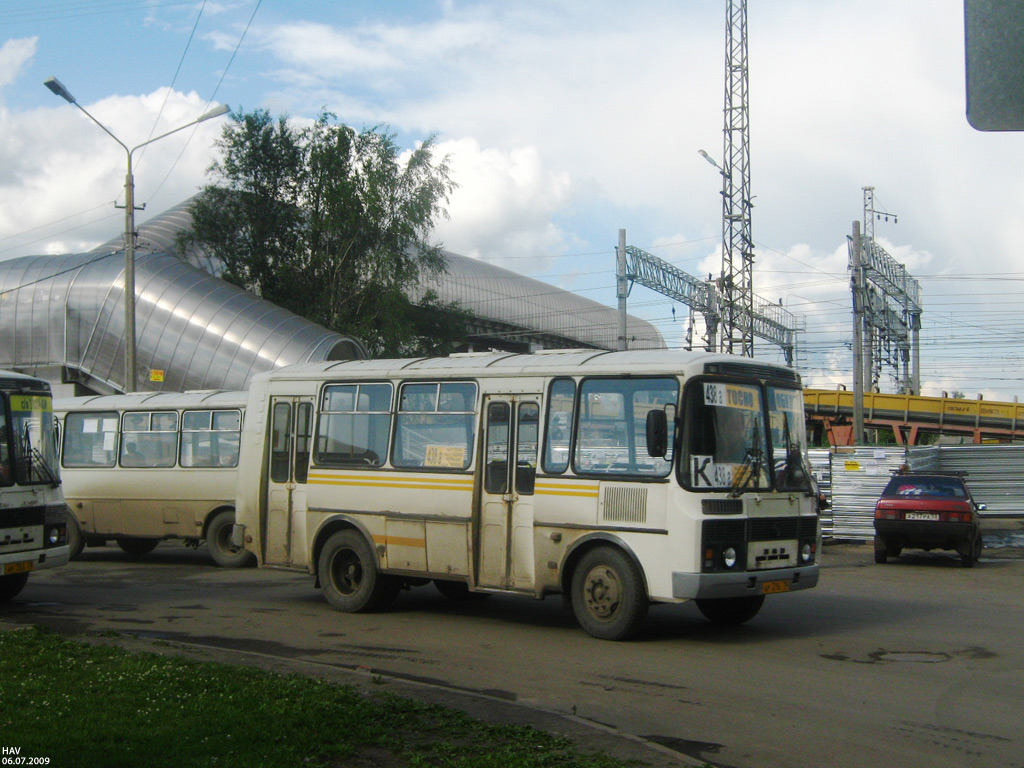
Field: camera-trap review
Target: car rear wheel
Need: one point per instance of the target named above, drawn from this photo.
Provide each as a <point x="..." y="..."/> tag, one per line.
<point x="970" y="551"/>
<point x="881" y="550"/>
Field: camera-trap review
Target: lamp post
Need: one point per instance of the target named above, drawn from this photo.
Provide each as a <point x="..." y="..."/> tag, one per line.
<point x="57" y="87"/>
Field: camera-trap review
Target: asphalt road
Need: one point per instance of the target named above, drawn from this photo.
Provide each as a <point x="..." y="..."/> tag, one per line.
<point x="916" y="663"/>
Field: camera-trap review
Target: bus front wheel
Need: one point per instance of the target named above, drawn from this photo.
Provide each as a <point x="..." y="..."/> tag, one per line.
<point x="76" y="539"/>
<point x="730" y="611"/>
<point x="218" y="541"/>
<point x="11" y="585"/>
<point x="608" y="594"/>
<point x="349" y="576"/>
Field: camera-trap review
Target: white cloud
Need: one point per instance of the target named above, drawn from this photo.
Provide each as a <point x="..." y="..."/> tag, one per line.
<point x="58" y="168"/>
<point x="14" y="54"/>
<point x="504" y="205"/>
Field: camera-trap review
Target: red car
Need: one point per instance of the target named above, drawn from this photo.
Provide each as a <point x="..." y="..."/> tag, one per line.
<point x="927" y="511"/>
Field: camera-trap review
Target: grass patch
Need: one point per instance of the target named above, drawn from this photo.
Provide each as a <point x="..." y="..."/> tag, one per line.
<point x="92" y="705"/>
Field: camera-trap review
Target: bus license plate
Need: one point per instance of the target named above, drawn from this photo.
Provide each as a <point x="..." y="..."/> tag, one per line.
<point x="25" y="567"/>
<point x="774" y="587"/>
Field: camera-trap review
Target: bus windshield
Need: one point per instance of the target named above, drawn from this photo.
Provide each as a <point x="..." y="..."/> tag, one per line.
<point x="789" y="440"/>
<point x="34" y="449"/>
<point x="728" y="445"/>
<point x="725" y="438"/>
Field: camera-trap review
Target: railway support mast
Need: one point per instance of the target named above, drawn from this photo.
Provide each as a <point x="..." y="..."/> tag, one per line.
<point x="736" y="283"/>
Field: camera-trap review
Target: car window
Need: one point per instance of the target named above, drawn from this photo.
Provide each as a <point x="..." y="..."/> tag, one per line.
<point x="936" y="487"/>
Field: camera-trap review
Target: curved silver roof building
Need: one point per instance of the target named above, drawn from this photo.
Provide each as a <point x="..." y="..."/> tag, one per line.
<point x="67" y="313"/>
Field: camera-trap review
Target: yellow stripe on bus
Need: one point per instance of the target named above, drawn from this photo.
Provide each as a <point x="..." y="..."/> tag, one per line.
<point x="563" y="489"/>
<point x="400" y="541"/>
<point x="417" y="483"/>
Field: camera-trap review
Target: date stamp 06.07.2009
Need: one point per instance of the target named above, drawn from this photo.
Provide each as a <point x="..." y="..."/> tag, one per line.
<point x="13" y="756"/>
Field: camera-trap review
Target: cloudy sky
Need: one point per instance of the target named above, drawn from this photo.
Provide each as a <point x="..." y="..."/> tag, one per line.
<point x="565" y="121"/>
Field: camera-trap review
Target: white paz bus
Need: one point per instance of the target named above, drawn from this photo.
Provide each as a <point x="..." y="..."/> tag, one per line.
<point x="615" y="478"/>
<point x="145" y="467"/>
<point x="33" y="517"/>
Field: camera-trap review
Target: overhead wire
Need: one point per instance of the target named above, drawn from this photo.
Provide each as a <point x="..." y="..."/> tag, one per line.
<point x="213" y="95"/>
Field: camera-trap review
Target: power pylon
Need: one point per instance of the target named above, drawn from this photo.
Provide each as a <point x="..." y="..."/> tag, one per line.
<point x="736" y="283"/>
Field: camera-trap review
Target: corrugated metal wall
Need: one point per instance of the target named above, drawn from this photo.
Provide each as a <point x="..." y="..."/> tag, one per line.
<point x="994" y="473"/>
<point x="857" y="477"/>
<point x="821" y="469"/>
<point x="68" y="311"/>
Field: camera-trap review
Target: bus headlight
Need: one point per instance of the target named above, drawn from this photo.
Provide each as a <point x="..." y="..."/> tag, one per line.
<point x="729" y="557"/>
<point x="807" y="553"/>
<point x="54" y="535"/>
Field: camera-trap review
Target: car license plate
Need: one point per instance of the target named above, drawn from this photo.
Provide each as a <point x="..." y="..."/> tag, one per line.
<point x="25" y="567"/>
<point x="932" y="516"/>
<point x="774" y="587"/>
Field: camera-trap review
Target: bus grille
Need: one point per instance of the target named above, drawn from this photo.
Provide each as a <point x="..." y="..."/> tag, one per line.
<point x="722" y="506"/>
<point x="760" y="529"/>
<point x="624" y="505"/>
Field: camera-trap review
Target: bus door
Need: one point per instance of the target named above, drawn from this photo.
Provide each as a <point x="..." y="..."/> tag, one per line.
<point x="504" y="537"/>
<point x="284" y="523"/>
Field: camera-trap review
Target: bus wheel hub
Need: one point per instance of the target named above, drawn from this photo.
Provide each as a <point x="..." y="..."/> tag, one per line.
<point x="602" y="592"/>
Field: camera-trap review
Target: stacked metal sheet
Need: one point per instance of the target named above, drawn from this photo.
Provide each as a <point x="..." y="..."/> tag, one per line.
<point x="994" y="473"/>
<point x="859" y="476"/>
<point x="821" y="469"/>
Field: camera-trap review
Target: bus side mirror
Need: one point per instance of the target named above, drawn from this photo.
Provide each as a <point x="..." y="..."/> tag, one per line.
<point x="657" y="433"/>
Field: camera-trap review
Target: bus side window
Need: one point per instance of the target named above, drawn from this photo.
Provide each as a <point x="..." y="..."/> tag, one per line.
<point x="149" y="439"/>
<point x="90" y="439"/>
<point x="558" y="429"/>
<point x="303" y="438"/>
<point x="210" y="438"/>
<point x="280" y="445"/>
<point x="5" y="456"/>
<point x="526" y="448"/>
<point x="496" y="473"/>
<point x="354" y="426"/>
<point x="434" y="427"/>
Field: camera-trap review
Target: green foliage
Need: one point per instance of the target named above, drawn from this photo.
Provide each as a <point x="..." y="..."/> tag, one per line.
<point x="99" y="706"/>
<point x="332" y="224"/>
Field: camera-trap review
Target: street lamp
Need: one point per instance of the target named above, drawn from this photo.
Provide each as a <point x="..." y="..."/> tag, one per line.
<point x="711" y="160"/>
<point x="57" y="87"/>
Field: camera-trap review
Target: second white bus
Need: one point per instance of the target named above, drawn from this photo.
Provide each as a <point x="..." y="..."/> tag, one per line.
<point x="141" y="468"/>
<point x="615" y="478"/>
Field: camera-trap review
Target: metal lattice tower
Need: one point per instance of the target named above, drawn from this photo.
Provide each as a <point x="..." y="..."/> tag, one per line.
<point x="737" y="285"/>
<point x="887" y="303"/>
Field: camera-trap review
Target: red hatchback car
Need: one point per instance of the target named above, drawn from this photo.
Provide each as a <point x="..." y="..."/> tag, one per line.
<point x="927" y="511"/>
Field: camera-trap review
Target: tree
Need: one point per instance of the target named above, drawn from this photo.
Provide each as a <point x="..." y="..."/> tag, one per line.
<point x="332" y="224"/>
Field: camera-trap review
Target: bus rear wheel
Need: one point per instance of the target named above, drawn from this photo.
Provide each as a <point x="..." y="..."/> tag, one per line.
<point x="137" y="547"/>
<point x="349" y="576"/>
<point x="730" y="611"/>
<point x="608" y="594"/>
<point x="218" y="541"/>
<point x="458" y="591"/>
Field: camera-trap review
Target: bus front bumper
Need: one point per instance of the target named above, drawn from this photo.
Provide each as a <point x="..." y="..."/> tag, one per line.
<point x="692" y="586"/>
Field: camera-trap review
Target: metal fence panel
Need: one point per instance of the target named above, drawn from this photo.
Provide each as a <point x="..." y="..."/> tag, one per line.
<point x="859" y="475"/>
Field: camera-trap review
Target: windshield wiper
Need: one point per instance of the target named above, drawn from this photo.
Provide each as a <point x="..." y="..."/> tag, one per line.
<point x="42" y="468"/>
<point x="35" y="462"/>
<point x="750" y="468"/>
<point x="795" y="466"/>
